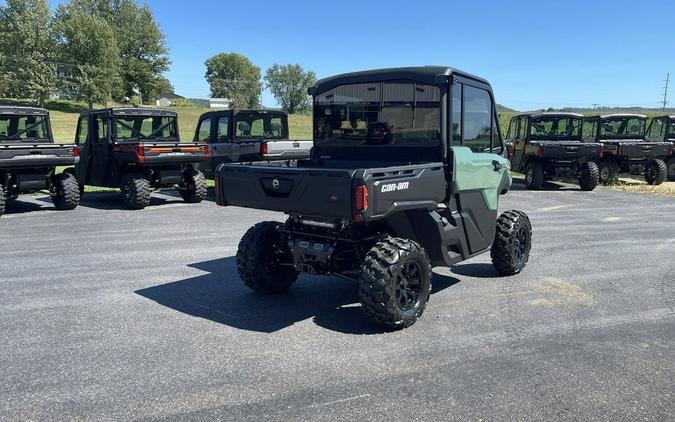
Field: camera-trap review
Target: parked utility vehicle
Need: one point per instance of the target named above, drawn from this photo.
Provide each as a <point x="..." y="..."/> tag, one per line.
<point x="247" y="136"/>
<point x="662" y="129"/>
<point x="29" y="157"/>
<point x="137" y="150"/>
<point x="409" y="189"/>
<point x="625" y="149"/>
<point x="545" y="146"/>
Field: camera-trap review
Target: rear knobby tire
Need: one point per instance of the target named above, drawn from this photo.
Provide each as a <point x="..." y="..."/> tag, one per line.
<point x="66" y="192"/>
<point x="135" y="191"/>
<point x="609" y="172"/>
<point x="513" y="241"/>
<point x="193" y="189"/>
<point x="671" y="169"/>
<point x="589" y="176"/>
<point x="534" y="175"/>
<point x="2" y="200"/>
<point x="259" y="258"/>
<point x="656" y="172"/>
<point x="395" y="282"/>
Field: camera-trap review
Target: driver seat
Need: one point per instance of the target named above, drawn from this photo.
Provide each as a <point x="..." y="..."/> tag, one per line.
<point x="244" y="128"/>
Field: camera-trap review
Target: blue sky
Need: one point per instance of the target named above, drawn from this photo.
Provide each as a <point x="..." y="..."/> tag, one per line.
<point x="535" y="53"/>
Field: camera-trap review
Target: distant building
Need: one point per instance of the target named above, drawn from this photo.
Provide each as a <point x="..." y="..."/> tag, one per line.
<point x="166" y="100"/>
<point x="219" y="102"/>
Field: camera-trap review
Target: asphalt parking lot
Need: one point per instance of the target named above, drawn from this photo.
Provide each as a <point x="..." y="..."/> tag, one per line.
<point x="109" y="314"/>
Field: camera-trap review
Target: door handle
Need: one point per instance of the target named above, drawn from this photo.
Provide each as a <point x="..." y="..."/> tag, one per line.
<point x="497" y="165"/>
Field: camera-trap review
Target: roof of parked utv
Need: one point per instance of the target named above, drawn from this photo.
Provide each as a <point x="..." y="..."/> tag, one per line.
<point x="7" y="109"/>
<point x="617" y="115"/>
<point x="133" y="111"/>
<point x="432" y="75"/>
<point x="244" y="110"/>
<point x="538" y="114"/>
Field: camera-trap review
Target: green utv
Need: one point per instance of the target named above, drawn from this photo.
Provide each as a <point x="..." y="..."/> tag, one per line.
<point x="545" y="146"/>
<point x="625" y="149"/>
<point x="405" y="174"/>
<point x="29" y="157"/>
<point x="138" y="150"/>
<point x="662" y="129"/>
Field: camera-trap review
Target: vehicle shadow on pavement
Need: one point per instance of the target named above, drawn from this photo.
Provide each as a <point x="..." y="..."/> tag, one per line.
<point x="113" y="200"/>
<point x="219" y="295"/>
<point x="477" y="270"/>
<point x="519" y="184"/>
<point x="17" y="206"/>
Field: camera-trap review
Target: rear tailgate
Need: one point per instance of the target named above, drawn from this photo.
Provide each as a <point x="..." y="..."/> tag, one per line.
<point x="566" y="150"/>
<point x="286" y="150"/>
<point x="304" y="191"/>
<point x="159" y="153"/>
<point x="640" y="149"/>
<point x="21" y="155"/>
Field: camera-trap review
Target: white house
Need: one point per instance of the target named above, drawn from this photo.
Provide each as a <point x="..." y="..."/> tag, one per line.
<point x="166" y="100"/>
<point x="219" y="102"/>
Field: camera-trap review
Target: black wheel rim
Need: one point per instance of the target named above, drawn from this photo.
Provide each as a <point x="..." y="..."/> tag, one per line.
<point x="409" y="286"/>
<point x="520" y="244"/>
<point x="126" y="191"/>
<point x="529" y="176"/>
<point x="275" y="258"/>
<point x="650" y="172"/>
<point x="584" y="176"/>
<point x="604" y="173"/>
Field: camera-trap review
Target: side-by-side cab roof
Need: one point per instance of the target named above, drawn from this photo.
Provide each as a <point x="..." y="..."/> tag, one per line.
<point x="243" y="110"/>
<point x="432" y="75"/>
<point x="133" y="111"/>
<point x="536" y="115"/>
<point x="6" y="109"/>
<point x="617" y="116"/>
<point x="670" y="116"/>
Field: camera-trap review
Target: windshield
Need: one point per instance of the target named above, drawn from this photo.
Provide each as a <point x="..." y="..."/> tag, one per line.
<point x="251" y="125"/>
<point x="145" y="127"/>
<point x="21" y="128"/>
<point x="623" y="128"/>
<point x="382" y="113"/>
<point x="555" y="127"/>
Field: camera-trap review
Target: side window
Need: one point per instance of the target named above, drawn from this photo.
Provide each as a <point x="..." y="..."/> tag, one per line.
<point x="496" y="136"/>
<point x="522" y="130"/>
<point x="223" y="128"/>
<point x="589" y="129"/>
<point x="204" y="130"/>
<point x="657" y="128"/>
<point x="101" y="133"/>
<point x="82" y="129"/>
<point x="477" y="124"/>
<point x="513" y="129"/>
<point x="456" y="129"/>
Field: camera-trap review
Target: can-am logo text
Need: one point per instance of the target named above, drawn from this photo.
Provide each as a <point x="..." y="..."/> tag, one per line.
<point x="390" y="187"/>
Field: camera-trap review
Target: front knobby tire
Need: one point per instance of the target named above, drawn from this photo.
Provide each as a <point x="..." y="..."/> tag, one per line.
<point x="194" y="187"/>
<point x="3" y="199"/>
<point x="589" y="176"/>
<point x="656" y="172"/>
<point x="135" y="191"/>
<point x="513" y="240"/>
<point x="66" y="191"/>
<point x="609" y="172"/>
<point x="534" y="175"/>
<point x="395" y="282"/>
<point x="264" y="263"/>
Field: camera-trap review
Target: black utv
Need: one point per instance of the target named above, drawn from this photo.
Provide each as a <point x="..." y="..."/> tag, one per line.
<point x="247" y="136"/>
<point x="545" y="146"/>
<point x="662" y="129"/>
<point x="138" y="150"/>
<point x="625" y="149"/>
<point x="29" y="157"/>
<point x="411" y="188"/>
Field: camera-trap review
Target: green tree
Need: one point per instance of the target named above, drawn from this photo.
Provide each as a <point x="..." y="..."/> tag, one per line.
<point x="141" y="45"/>
<point x="289" y="84"/>
<point x="88" y="42"/>
<point x="28" y="47"/>
<point x="233" y="76"/>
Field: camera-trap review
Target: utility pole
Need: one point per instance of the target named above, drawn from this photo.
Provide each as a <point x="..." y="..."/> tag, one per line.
<point x="665" y="92"/>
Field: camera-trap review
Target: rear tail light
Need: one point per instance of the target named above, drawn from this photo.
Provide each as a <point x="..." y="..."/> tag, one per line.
<point x="263" y="148"/>
<point x="671" y="149"/>
<point x="601" y="151"/>
<point x="361" y="198"/>
<point x="540" y="151"/>
<point x="619" y="150"/>
<point x="206" y="152"/>
<point x="140" y="151"/>
<point x="511" y="151"/>
<point x="76" y="151"/>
